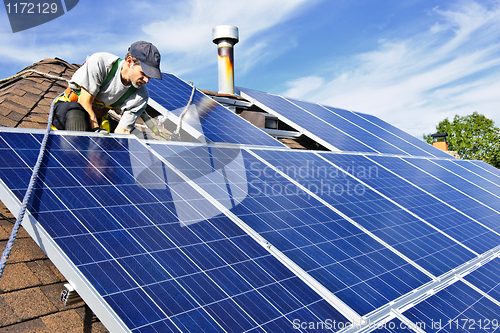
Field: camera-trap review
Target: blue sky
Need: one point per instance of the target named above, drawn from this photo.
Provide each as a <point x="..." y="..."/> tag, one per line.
<point x="412" y="63"/>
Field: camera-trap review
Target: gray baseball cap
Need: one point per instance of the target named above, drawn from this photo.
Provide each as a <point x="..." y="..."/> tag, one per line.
<point x="149" y="57"/>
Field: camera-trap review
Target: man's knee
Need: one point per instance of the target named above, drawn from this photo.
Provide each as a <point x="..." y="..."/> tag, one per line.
<point x="70" y="116"/>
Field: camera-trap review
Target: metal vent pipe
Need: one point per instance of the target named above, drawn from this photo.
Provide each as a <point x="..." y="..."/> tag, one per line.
<point x="225" y="36"/>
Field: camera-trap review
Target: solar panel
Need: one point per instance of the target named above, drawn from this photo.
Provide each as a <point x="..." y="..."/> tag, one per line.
<point x="457" y="193"/>
<point x="403" y="135"/>
<point x="358" y="132"/>
<point x="343" y="187"/>
<point x="424" y="202"/>
<point x="314" y="127"/>
<point x="457" y="308"/>
<point x="109" y="219"/>
<point x="350" y="264"/>
<point x="169" y="236"/>
<point x="205" y="119"/>
<point x="408" y="143"/>
<point x="340" y="129"/>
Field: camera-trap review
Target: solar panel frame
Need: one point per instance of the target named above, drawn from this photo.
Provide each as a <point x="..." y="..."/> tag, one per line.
<point x="411" y="236"/>
<point x="210" y="120"/>
<point x="199" y="182"/>
<point x="107" y="309"/>
<point x="404" y="136"/>
<point x="336" y="133"/>
<point x="312" y="126"/>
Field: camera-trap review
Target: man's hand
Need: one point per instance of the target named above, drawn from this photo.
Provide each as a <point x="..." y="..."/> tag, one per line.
<point x="86" y="99"/>
<point x="121" y="130"/>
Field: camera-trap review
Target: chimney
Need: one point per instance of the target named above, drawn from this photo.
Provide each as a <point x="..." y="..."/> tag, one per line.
<point x="225" y="36"/>
<point x="443" y="145"/>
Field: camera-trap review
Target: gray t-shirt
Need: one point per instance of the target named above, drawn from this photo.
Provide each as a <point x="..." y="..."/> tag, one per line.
<point x="91" y="76"/>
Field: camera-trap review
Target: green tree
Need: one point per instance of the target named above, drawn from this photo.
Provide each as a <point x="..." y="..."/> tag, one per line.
<point x="474" y="137"/>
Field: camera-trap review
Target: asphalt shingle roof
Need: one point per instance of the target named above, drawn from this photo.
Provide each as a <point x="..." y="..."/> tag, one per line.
<point x="31" y="285"/>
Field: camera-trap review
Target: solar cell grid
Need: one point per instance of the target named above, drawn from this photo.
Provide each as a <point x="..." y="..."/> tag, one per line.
<point x="214" y="121"/>
<point x="412" y="237"/>
<point x="485" y="166"/>
<point x="457" y="308"/>
<point x="330" y="249"/>
<point x="458" y="200"/>
<point x="410" y="148"/>
<point x="474" y="167"/>
<point x="357" y="132"/>
<point x="405" y="136"/>
<point x="461" y="178"/>
<point x="298" y="118"/>
<point x="152" y="270"/>
<point x="487" y="279"/>
<point x="432" y="209"/>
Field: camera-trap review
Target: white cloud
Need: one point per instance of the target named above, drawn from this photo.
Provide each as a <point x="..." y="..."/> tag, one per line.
<point x="304" y="86"/>
<point x="182" y="30"/>
<point x="185" y="33"/>
<point x="451" y="68"/>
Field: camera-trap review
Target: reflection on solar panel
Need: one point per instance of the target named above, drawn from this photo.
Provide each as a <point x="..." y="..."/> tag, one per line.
<point x="205" y="119"/>
<point x="342" y="130"/>
<point x="162" y="236"/>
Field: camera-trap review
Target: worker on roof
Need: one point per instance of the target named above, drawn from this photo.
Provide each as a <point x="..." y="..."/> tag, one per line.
<point x="106" y="82"/>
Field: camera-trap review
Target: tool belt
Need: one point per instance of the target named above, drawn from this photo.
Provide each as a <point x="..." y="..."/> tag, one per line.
<point x="71" y="95"/>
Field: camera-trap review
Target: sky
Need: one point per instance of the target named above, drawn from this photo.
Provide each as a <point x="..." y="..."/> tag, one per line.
<point x="412" y="63"/>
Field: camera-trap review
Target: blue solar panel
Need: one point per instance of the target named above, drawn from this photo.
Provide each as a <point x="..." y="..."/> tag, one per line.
<point x="475" y="167"/>
<point x="457" y="308"/>
<point x="341" y="129"/>
<point x="298" y="118"/>
<point x="106" y="204"/>
<point x="487" y="279"/>
<point x="412" y="147"/>
<point x="431" y="209"/>
<point x="211" y="119"/>
<point x="456" y="199"/>
<point x="466" y="178"/>
<point x="360" y="133"/>
<point x="412" y="237"/>
<point x="166" y="236"/>
<point x="487" y="167"/>
<point x="349" y="263"/>
<point x="405" y="136"/>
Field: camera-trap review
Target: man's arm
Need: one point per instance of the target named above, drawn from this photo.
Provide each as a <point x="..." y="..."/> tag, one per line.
<point x="86" y="100"/>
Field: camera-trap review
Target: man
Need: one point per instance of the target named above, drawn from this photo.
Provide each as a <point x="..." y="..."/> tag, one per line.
<point x="106" y="82"/>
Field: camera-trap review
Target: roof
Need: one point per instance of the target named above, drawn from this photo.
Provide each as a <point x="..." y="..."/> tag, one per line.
<point x="400" y="206"/>
<point x="31" y="285"/>
<point x="25" y="102"/>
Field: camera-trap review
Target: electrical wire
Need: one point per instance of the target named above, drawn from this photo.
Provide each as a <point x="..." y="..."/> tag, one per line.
<point x="175" y="135"/>
<point x="29" y="192"/>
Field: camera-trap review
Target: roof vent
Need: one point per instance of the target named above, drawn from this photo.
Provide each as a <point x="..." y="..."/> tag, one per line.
<point x="225" y="36"/>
